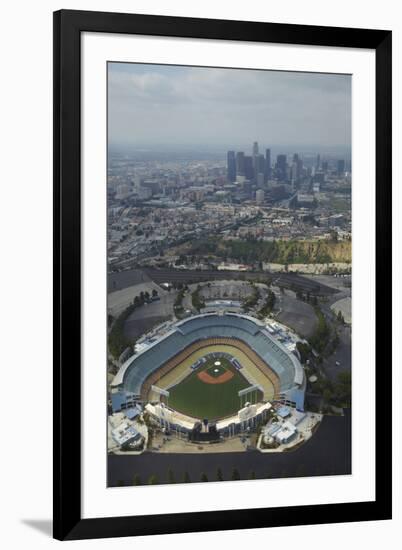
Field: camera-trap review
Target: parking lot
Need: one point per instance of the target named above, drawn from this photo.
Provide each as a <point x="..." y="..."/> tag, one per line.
<point x="149" y="315"/>
<point x="296" y="314"/>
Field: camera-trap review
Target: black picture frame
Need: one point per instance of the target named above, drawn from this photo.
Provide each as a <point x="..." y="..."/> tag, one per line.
<point x="68" y="26"/>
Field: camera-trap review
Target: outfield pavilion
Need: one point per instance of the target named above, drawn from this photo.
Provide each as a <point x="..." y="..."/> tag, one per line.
<point x="182" y="425"/>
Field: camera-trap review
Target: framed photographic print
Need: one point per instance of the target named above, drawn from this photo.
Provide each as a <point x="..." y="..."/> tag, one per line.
<point x="222" y="270"/>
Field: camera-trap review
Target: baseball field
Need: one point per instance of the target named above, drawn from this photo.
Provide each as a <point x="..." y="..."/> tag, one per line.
<point x="211" y="391"/>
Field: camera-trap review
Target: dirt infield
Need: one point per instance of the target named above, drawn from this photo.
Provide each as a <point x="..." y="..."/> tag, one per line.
<point x="208" y="379"/>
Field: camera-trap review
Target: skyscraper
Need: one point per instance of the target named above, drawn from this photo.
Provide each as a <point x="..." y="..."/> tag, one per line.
<point x="293" y="174"/>
<point x="231" y="166"/>
<point x="340" y="167"/>
<point x="259" y="169"/>
<point x="259" y="196"/>
<point x="296" y="170"/>
<point x="255" y="160"/>
<point x="240" y="164"/>
<point x="249" y="168"/>
<point x="260" y="181"/>
<point x="281" y="167"/>
<point x="300" y="169"/>
<point x="267" y="172"/>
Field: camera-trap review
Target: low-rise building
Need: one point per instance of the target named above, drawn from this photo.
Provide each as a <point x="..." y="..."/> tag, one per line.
<point x="285" y="433"/>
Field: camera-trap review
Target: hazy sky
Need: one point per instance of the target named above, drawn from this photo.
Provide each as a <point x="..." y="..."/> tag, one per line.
<point x="162" y="104"/>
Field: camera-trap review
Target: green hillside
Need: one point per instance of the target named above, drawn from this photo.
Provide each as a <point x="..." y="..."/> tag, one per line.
<point x="281" y="252"/>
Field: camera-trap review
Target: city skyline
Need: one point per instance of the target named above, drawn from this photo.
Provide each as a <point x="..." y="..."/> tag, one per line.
<point x="220" y="108"/>
<point x="257" y="167"/>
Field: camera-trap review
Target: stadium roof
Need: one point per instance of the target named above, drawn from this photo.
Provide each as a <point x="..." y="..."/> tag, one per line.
<point x="121" y="399"/>
<point x="283" y="411"/>
<point x="132" y="413"/>
<point x="125" y="433"/>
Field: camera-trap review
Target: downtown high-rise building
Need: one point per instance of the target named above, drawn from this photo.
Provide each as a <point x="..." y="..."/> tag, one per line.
<point x="255" y="160"/>
<point x="267" y="172"/>
<point x="249" y="168"/>
<point x="231" y="166"/>
<point x="293" y="173"/>
<point x="259" y="180"/>
<point x="281" y="168"/>
<point x="240" y="169"/>
<point x="259" y="196"/>
<point x="259" y="170"/>
<point x="296" y="170"/>
<point x="340" y="167"/>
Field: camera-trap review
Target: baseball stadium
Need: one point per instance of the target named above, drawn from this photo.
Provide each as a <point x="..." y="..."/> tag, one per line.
<point x="213" y="373"/>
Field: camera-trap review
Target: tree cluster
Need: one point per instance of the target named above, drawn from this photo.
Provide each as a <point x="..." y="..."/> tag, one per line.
<point x="185" y="477"/>
<point x="251" y="250"/>
<point x="196" y="299"/>
<point x="337" y="393"/>
<point x="321" y="336"/>
<point x="252" y="299"/>
<point x="117" y="341"/>
<point x="268" y="305"/>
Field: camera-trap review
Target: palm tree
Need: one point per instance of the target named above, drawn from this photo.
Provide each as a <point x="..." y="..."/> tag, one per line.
<point x="153" y="480"/>
<point x="235" y="474"/>
<point x="170" y="476"/>
<point x="137" y="480"/>
<point x="301" y="470"/>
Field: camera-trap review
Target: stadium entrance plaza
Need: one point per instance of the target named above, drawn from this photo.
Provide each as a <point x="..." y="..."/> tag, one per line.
<point x="163" y="444"/>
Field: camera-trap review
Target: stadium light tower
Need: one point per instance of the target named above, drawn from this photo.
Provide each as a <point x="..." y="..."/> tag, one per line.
<point x="249" y="391"/>
<point x="161" y="392"/>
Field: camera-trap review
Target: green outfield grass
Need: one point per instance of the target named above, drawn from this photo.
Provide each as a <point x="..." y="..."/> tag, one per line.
<point x="196" y="398"/>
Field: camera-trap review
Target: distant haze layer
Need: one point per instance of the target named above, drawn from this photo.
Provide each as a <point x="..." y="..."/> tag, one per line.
<point x="226" y="108"/>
